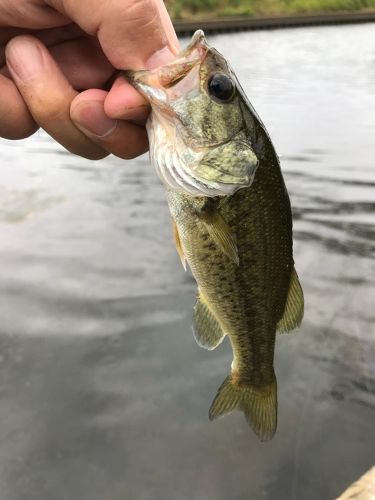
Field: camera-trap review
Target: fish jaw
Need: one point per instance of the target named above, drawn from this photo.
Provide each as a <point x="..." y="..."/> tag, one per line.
<point x="156" y="84"/>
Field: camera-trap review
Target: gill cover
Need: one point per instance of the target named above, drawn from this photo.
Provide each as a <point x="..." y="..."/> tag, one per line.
<point x="199" y="138"/>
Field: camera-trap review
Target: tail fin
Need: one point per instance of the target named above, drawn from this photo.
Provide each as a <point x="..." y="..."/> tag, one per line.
<point x="259" y="405"/>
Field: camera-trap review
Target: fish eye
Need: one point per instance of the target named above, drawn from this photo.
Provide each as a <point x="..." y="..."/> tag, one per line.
<point x="221" y="87"/>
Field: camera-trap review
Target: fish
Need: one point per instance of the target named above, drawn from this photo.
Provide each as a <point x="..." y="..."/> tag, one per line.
<point x="231" y="217"/>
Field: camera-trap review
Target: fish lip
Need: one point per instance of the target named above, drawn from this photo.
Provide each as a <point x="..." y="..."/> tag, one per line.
<point x="198" y="40"/>
<point x="151" y="83"/>
<point x="156" y="96"/>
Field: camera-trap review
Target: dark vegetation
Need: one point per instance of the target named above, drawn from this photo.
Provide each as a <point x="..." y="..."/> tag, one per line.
<point x="185" y="9"/>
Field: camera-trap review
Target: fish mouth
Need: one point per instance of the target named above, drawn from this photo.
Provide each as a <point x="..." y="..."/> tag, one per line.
<point x="157" y="85"/>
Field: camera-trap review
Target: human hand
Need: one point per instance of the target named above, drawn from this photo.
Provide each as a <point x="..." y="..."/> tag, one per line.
<point x="58" y="57"/>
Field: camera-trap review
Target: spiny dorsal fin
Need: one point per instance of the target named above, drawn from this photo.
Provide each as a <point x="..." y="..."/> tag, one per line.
<point x="221" y="233"/>
<point x="294" y="306"/>
<point x="259" y="405"/>
<point x="178" y="244"/>
<point x="206" y="329"/>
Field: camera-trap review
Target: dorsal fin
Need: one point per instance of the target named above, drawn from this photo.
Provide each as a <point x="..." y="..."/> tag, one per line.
<point x="294" y="307"/>
<point x="207" y="331"/>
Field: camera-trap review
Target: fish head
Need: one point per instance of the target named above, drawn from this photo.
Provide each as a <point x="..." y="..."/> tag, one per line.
<point x="199" y="142"/>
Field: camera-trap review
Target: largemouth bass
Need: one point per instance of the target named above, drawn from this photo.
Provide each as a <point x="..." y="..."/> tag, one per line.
<point x="232" y="220"/>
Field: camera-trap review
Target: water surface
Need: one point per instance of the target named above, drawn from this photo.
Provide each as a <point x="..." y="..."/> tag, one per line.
<point x="103" y="392"/>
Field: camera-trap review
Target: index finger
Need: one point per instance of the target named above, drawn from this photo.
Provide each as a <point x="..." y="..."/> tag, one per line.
<point x="134" y="34"/>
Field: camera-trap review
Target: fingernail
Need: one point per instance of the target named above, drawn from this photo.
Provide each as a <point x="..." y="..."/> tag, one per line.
<point x="24" y="58"/>
<point x="159" y="58"/>
<point x="90" y="117"/>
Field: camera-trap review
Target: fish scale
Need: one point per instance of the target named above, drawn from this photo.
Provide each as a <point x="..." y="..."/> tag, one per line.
<point x="250" y="285"/>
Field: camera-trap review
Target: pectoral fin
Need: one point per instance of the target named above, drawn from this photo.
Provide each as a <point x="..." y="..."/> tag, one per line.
<point x="207" y="331"/>
<point x="221" y="233"/>
<point x="294" y="306"/>
<point x="178" y="244"/>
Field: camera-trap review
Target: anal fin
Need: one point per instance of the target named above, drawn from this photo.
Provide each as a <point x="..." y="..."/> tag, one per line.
<point x="207" y="331"/>
<point x="294" y="307"/>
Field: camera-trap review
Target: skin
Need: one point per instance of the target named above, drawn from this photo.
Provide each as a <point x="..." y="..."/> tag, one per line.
<point x="59" y="71"/>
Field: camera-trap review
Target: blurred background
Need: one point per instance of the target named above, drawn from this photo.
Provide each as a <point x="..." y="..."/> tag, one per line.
<point x="103" y="392"/>
<point x="190" y="9"/>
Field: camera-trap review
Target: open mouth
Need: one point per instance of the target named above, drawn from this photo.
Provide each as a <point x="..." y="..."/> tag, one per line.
<point x="154" y="84"/>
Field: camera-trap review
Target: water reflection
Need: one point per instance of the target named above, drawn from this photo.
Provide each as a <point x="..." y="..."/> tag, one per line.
<point x="104" y="393"/>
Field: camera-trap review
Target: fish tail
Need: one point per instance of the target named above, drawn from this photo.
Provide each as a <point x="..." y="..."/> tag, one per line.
<point x="259" y="405"/>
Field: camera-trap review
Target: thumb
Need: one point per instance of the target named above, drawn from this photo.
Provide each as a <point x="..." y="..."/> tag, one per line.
<point x="133" y="34"/>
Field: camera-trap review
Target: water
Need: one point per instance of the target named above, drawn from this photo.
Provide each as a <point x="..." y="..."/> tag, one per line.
<point x="103" y="392"/>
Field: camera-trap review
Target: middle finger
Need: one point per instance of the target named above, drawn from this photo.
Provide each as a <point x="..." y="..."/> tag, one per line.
<point x="48" y="94"/>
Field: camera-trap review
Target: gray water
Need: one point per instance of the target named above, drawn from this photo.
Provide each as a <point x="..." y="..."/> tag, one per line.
<point x="103" y="392"/>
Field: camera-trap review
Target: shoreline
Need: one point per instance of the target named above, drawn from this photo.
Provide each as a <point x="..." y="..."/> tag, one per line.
<point x="225" y="24"/>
